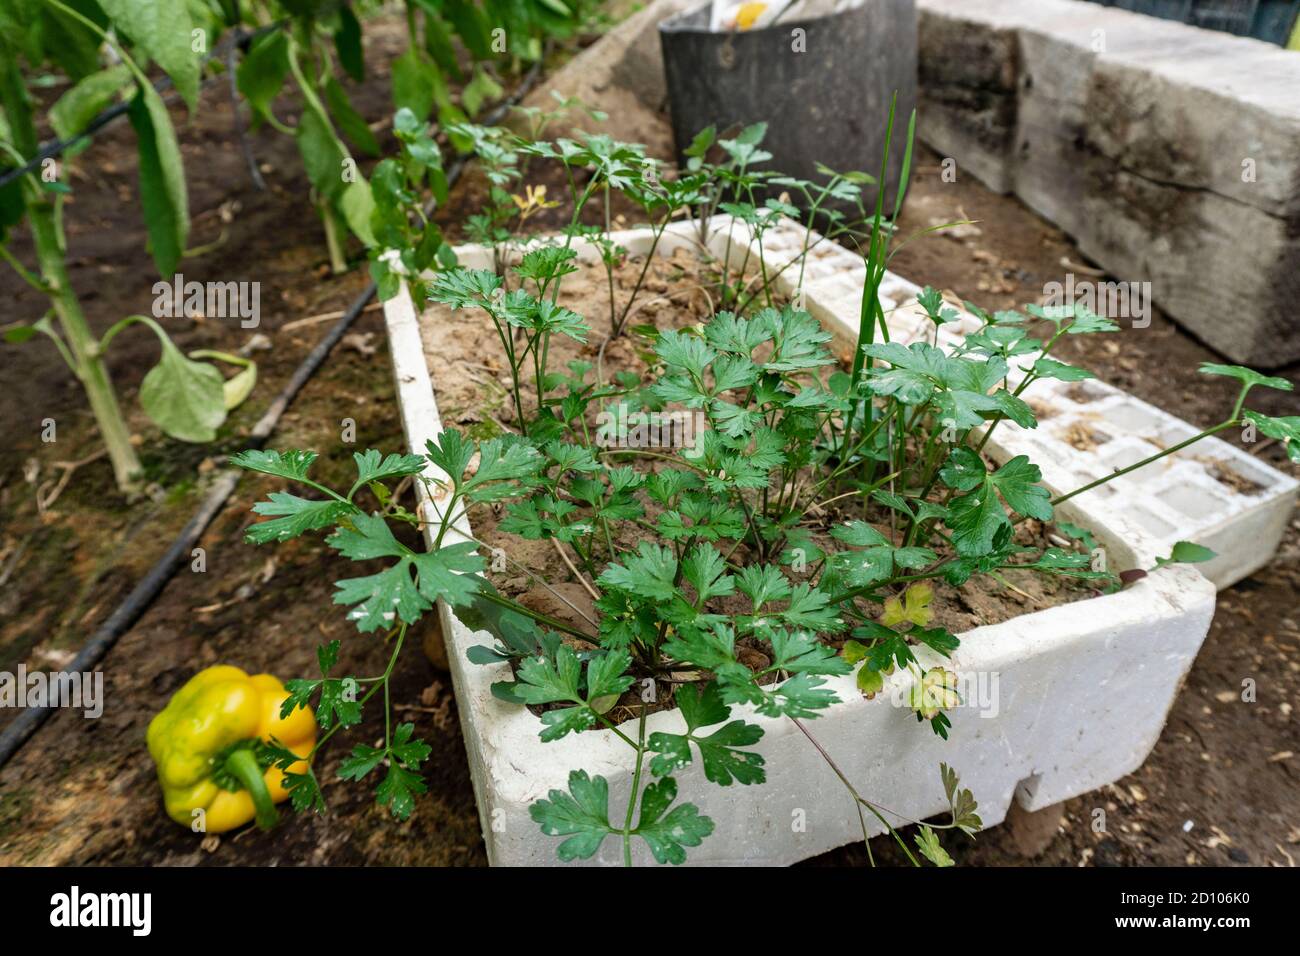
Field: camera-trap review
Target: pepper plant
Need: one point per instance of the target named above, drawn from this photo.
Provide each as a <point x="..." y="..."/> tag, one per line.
<point x="313" y="40"/>
<point x="316" y="39"/>
<point x="188" y="399"/>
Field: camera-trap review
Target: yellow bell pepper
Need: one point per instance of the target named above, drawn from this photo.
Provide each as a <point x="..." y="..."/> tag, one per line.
<point x="208" y="746"/>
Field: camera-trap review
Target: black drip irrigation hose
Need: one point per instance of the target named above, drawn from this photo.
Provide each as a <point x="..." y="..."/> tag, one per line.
<point x="21" y="729"/>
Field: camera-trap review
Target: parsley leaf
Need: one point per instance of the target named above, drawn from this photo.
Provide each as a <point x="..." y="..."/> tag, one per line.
<point x="668" y="834"/>
<point x="370" y="467"/>
<point x="581" y="814"/>
<point x="703" y="707"/>
<point x="977" y="517"/>
<point x="295" y="516"/>
<point x="927" y="841"/>
<point x="649" y="573"/>
<point x="289" y="464"/>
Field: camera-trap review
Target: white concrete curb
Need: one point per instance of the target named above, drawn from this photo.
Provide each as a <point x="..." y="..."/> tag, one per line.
<point x="1060" y="702"/>
<point x="1169" y="153"/>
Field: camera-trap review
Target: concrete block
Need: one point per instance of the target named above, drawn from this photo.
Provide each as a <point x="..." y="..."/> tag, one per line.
<point x="1171" y="154"/>
<point x="967" y="97"/>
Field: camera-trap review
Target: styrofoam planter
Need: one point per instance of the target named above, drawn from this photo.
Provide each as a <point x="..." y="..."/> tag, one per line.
<point x="1057" y="703"/>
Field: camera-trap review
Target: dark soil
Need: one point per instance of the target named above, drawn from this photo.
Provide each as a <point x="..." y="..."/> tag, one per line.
<point x="83" y="791"/>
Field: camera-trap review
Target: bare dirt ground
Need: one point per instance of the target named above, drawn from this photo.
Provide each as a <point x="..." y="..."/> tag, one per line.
<point x="1220" y="787"/>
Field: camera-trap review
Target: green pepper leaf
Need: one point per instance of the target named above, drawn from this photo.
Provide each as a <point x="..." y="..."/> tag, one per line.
<point x="186" y="399"/>
<point x="75" y="109"/>
<point x="350" y="123"/>
<point x="161" y="28"/>
<point x="163" y="195"/>
<point x="261" y="73"/>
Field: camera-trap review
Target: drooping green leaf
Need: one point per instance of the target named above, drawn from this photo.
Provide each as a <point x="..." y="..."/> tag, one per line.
<point x="186" y="399"/>
<point x="479" y="91"/>
<point x="347" y="41"/>
<point x="161" y="28"/>
<point x="322" y="154"/>
<point x="414" y="84"/>
<point x="74" y="110"/>
<point x="350" y="123"/>
<point x="163" y="194"/>
<point x="261" y="73"/>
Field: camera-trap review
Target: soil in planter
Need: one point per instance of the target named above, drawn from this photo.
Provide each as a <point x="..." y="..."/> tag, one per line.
<point x="472" y="386"/>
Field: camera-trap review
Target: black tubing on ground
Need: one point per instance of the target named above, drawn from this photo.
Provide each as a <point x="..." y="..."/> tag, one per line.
<point x="21" y="729"/>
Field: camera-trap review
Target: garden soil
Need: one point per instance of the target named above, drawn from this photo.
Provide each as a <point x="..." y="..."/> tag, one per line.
<point x="1220" y="787"/>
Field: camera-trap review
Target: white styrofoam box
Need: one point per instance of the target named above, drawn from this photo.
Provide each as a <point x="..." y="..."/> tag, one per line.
<point x="1059" y="702"/>
<point x="1175" y="499"/>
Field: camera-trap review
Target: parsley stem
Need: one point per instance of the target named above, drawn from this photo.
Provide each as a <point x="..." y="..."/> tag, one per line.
<point x="1145" y="461"/>
<point x="636" y="786"/>
<point x="856" y="796"/>
<point x="553" y="623"/>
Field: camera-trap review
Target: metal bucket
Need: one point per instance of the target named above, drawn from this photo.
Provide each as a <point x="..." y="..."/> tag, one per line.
<point x="822" y="85"/>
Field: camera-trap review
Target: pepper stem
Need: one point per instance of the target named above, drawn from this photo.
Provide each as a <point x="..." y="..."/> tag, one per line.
<point x="243" y="766"/>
